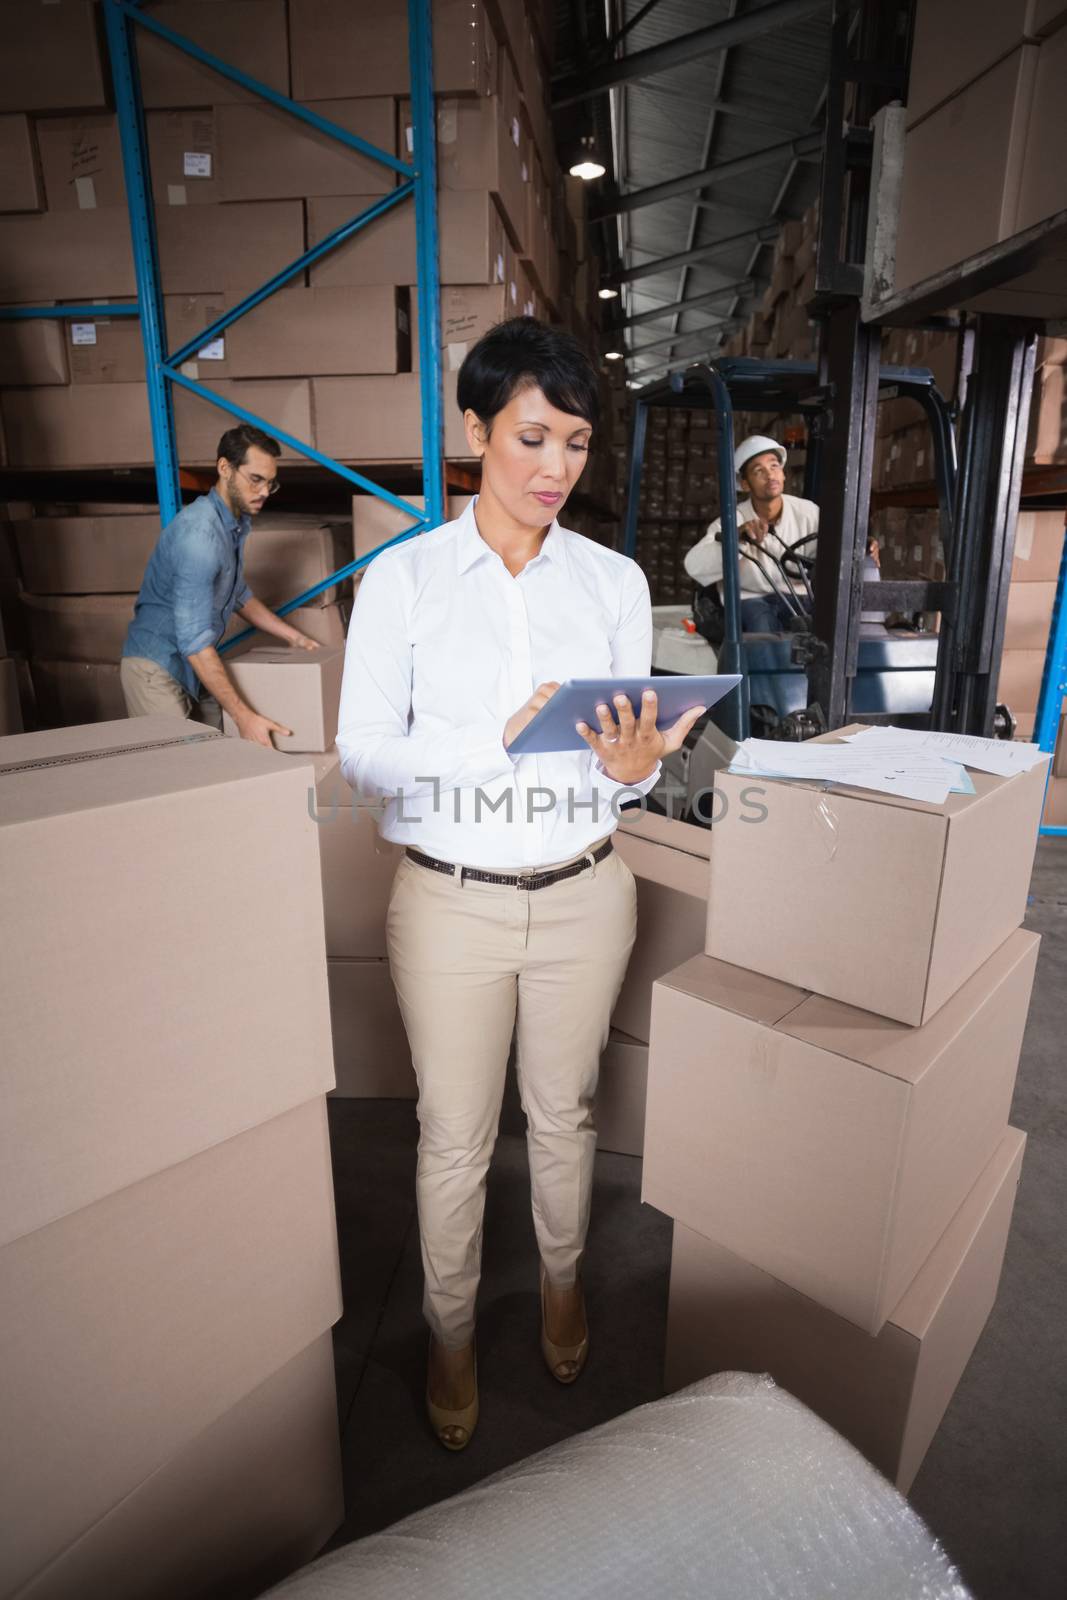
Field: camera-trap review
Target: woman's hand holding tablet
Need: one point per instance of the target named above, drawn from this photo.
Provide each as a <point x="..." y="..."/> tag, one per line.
<point x="629" y="748"/>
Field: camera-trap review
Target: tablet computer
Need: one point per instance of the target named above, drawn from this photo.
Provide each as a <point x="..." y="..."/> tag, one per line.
<point x="554" y="729"/>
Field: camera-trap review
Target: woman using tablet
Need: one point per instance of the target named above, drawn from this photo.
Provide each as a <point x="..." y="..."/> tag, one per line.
<point x="510" y="912"/>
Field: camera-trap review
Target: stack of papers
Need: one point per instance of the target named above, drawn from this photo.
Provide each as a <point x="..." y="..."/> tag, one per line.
<point x="986" y="755"/>
<point x="913" y="776"/>
<point x="911" y="763"/>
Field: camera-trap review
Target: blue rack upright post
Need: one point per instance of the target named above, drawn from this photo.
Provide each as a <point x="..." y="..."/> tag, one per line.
<point x="1054" y="681"/>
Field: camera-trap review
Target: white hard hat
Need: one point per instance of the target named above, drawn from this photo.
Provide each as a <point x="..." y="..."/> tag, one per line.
<point x="756" y="445"/>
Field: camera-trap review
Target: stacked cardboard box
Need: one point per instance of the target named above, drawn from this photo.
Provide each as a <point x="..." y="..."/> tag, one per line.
<point x="1039" y="547"/>
<point x="241" y="189"/>
<point x="841" y="1178"/>
<point x="985" y="116"/>
<point x="679" y="496"/>
<point x="166" y="1153"/>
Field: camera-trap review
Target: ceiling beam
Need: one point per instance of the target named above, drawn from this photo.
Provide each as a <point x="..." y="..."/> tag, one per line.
<point x="765" y="233"/>
<point x="677" y="338"/>
<point x="682" y="51"/>
<point x="808" y="145"/>
<point x="744" y="286"/>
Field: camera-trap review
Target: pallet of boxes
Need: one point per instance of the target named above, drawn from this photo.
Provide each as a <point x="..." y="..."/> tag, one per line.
<point x="168" y="1255"/>
<point x="829" y="1084"/>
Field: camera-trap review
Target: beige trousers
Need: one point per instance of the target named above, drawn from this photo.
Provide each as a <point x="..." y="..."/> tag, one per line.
<point x="150" y="691"/>
<point x="472" y="965"/>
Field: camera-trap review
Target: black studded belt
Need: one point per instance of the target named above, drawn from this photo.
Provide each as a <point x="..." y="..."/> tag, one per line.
<point x="511" y="880"/>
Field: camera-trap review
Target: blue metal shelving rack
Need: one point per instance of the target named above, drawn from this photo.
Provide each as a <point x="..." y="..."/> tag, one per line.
<point x="1054" y="680"/>
<point x="163" y="369"/>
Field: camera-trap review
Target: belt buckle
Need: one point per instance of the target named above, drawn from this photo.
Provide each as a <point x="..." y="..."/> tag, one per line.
<point x="525" y="877"/>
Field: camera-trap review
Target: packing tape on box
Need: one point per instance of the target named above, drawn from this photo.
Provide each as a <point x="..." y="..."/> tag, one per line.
<point x="826" y="825"/>
<point x="40" y="763"/>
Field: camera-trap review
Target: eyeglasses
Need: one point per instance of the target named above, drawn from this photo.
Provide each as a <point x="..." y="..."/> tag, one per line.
<point x="256" y="482"/>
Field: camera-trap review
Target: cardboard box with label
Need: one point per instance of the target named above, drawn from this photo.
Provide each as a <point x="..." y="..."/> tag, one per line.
<point x="224" y="1266"/>
<point x="337" y="50"/>
<point x="956" y="41"/>
<point x="267" y="154"/>
<point x="619" y="1113"/>
<point x="669" y="859"/>
<point x="105" y="349"/>
<point x="72" y="692"/>
<point x="382" y="252"/>
<point x="479" y="147"/>
<point x="183" y="156"/>
<point x="302" y="332"/>
<point x="52" y="58"/>
<point x="372" y="1057"/>
<point x="250" y="34"/>
<point x="81" y="161"/>
<point x="85" y="425"/>
<point x="21" y="188"/>
<point x="829" y="1146"/>
<point x="298" y="688"/>
<point x="887" y="1394"/>
<point x="878" y="901"/>
<point x="258" y="1492"/>
<point x="99" y="1093"/>
<point x="466" y="314"/>
<point x="205" y="249"/>
<point x="33" y="352"/>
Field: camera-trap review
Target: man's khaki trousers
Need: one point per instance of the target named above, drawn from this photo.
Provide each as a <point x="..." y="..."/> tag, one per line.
<point x="150" y="691"/>
<point x="472" y="964"/>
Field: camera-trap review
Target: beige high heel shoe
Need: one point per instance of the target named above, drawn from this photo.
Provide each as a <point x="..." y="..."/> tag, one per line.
<point x="564" y="1361"/>
<point x="454" y="1429"/>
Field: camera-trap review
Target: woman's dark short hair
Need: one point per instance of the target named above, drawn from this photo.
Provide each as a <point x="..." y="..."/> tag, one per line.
<point x="525" y="354"/>
<point x="237" y="442"/>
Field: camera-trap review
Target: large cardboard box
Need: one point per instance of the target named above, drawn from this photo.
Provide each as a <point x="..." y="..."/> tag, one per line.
<point x="253" y="1497"/>
<point x="881" y="902"/>
<point x="473" y="243"/>
<point x="66" y="254"/>
<point x="205" y="249"/>
<point x="183" y="154"/>
<point x="1043" y="186"/>
<point x="287" y="553"/>
<point x="955" y="41"/>
<point x="886" y="1394"/>
<point x="10" y="710"/>
<point x="326" y="624"/>
<point x="375" y="522"/>
<point x="221" y="1269"/>
<point x="21" y="188"/>
<point x="1046" y="440"/>
<point x="282" y="403"/>
<point x="99" y="1091"/>
<point x="358" y="865"/>
<point x="338" y="50"/>
<point x="1040" y="537"/>
<point x="250" y="34"/>
<point x="310" y="332"/>
<point x="105" y="350"/>
<point x="84" y="555"/>
<point x="963" y="165"/>
<point x="827" y="1145"/>
<point x="479" y="147"/>
<point x="52" y="58"/>
<point x="81" y="161"/>
<point x="1029" y="616"/>
<point x="370" y="1047"/>
<point x="467" y="312"/>
<point x="85" y="425"/>
<point x="72" y="692"/>
<point x="83" y="627"/>
<point x="1019" y="683"/>
<point x="669" y="859"/>
<point x="33" y="352"/>
<point x="267" y="154"/>
<point x="380" y="418"/>
<point x="383" y="252"/>
<point x="297" y="688"/>
<point x="620" y="1098"/>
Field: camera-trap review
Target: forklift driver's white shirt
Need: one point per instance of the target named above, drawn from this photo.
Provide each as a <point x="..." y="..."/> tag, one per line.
<point x="799" y="518"/>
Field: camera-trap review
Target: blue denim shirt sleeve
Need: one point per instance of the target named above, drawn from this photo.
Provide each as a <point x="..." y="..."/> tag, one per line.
<point x="197" y="620"/>
<point x="244" y="594"/>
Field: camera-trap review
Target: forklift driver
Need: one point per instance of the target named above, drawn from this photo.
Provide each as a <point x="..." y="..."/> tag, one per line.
<point x="768" y="521"/>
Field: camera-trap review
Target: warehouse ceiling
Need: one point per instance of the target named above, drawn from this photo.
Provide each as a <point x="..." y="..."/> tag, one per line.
<point x="759" y="93"/>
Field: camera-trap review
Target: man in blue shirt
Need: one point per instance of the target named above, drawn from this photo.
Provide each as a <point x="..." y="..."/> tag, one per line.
<point x="193" y="584"/>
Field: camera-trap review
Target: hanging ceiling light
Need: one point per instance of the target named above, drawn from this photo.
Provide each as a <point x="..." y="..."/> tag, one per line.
<point x="607" y="294"/>
<point x="587" y="166"/>
<point x="612" y="355"/>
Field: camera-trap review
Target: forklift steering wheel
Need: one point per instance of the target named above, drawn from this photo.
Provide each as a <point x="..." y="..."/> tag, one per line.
<point x="802" y="565"/>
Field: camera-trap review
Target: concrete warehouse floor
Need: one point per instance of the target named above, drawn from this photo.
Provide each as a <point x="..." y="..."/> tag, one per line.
<point x="994" y="1485"/>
